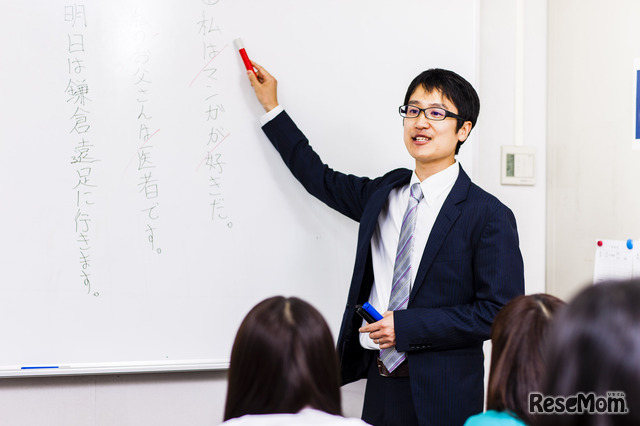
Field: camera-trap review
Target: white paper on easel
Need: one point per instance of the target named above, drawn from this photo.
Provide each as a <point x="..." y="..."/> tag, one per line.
<point x="616" y="261"/>
<point x="636" y="107"/>
<point x="636" y="261"/>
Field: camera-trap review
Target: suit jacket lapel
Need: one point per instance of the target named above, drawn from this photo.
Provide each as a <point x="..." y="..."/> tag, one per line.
<point x="368" y="223"/>
<point x="374" y="207"/>
<point x="446" y="218"/>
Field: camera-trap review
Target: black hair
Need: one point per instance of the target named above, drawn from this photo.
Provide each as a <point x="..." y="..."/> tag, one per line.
<point x="594" y="346"/>
<point x="283" y="359"/>
<point x="452" y="87"/>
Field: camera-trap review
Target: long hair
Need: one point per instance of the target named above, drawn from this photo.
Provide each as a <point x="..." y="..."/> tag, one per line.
<point x="283" y="359"/>
<point x="517" y="363"/>
<point x="595" y="347"/>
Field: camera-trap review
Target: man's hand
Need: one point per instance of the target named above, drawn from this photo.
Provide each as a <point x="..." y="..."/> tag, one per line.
<point x="265" y="86"/>
<point x="382" y="332"/>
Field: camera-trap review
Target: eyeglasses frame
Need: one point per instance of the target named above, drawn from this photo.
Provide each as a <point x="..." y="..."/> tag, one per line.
<point x="424" y="111"/>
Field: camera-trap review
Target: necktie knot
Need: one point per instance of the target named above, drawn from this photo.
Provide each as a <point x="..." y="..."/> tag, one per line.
<point x="416" y="191"/>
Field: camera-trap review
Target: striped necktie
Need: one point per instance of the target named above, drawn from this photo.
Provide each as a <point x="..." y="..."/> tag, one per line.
<point x="401" y="288"/>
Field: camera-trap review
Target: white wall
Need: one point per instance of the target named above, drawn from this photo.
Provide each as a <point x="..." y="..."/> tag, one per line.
<point x="152" y="399"/>
<point x="161" y="399"/>
<point x="593" y="173"/>
<point x="198" y="398"/>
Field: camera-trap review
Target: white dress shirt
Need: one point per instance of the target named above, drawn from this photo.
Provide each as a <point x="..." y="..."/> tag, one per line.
<point x="271" y="115"/>
<point x="384" y="242"/>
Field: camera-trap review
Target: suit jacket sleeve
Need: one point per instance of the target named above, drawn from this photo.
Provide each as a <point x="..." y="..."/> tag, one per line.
<point x="347" y="194"/>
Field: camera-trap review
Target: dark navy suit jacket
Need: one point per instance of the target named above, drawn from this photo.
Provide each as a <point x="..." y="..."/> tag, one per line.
<point x="470" y="268"/>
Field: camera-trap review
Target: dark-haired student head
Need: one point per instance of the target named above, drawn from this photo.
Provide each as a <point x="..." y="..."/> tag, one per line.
<point x="283" y="360"/>
<point x="517" y="359"/>
<point x="594" y="348"/>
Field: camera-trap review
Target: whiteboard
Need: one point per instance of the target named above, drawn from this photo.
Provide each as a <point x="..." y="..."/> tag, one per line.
<point x="144" y="210"/>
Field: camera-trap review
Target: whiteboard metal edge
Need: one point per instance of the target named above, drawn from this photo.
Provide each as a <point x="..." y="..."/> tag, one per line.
<point x="118" y="368"/>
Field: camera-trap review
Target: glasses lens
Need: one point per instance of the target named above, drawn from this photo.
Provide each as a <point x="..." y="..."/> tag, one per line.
<point x="436" y="113"/>
<point x="409" y="111"/>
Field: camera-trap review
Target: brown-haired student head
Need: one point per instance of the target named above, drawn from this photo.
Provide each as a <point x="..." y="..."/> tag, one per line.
<point x="517" y="358"/>
<point x="284" y="361"/>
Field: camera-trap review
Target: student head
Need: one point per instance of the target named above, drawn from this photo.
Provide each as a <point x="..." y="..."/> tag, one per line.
<point x="595" y="347"/>
<point x="517" y="365"/>
<point x="283" y="359"/>
<point x="431" y="140"/>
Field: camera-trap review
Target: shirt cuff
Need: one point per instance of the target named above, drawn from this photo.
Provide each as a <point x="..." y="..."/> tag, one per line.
<point x="271" y="115"/>
<point x="367" y="342"/>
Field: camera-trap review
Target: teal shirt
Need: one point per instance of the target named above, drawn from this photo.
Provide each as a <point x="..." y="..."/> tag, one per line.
<point x="492" y="417"/>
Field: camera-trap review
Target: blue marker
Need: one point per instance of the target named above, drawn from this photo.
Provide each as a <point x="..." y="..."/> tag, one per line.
<point x="630" y="244"/>
<point x="372" y="311"/>
<point x="39" y="367"/>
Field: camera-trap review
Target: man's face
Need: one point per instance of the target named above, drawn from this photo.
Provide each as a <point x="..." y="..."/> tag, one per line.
<point x="432" y="143"/>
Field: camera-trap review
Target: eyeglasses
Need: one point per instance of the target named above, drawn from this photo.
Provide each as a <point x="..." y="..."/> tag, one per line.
<point x="432" y="113"/>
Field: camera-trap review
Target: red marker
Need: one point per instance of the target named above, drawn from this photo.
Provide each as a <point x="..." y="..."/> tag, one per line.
<point x="243" y="53"/>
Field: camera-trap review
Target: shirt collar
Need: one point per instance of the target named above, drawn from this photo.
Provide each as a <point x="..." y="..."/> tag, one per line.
<point x="439" y="184"/>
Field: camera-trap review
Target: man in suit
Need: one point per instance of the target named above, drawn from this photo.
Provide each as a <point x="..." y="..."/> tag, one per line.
<point x="423" y="360"/>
